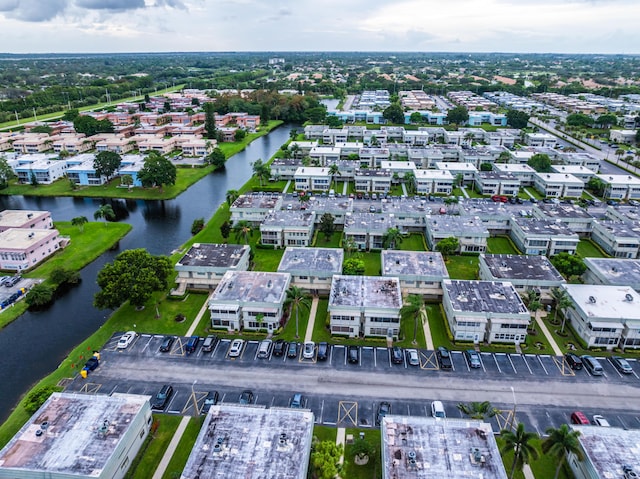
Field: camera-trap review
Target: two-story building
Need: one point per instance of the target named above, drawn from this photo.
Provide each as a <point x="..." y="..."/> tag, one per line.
<point x="364" y="306"/>
<point x="282" y="228"/>
<point x="620" y="187"/>
<point x="373" y="180"/>
<point x="312" y="269"/>
<point x="25" y="219"/>
<point x="419" y="272"/>
<point x="438" y="182"/>
<point x="312" y="178"/>
<point x="251" y="300"/>
<point x="254" y="207"/>
<point x="23" y="249"/>
<point x="471" y="232"/>
<point x="620" y="239"/>
<point x="542" y="237"/>
<point x="558" y="185"/>
<point x="494" y="183"/>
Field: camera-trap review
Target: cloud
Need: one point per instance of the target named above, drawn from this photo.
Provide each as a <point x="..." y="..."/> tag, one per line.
<point x="177" y="4"/>
<point x="117" y="5"/>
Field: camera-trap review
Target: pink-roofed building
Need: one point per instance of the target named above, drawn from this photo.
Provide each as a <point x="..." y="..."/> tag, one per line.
<point x="74" y="144"/>
<point x="23" y="249"/>
<point x="198" y="147"/>
<point x="34" y="143"/>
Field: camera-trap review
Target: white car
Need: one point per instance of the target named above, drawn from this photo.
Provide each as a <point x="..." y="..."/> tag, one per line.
<point x="126" y="339"/>
<point x="236" y="348"/>
<point x="599" y="420"/>
<point x="309" y="350"/>
<point x="437" y="410"/>
<point x="413" y="357"/>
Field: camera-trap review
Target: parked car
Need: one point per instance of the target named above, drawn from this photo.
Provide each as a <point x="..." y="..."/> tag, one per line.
<point x="92" y="363"/>
<point x="292" y="350"/>
<point x="573" y="361"/>
<point x="323" y="351"/>
<point x="279" y="347"/>
<point x="412" y="355"/>
<point x="264" y="348"/>
<point x="599" y="420"/>
<point x="166" y="344"/>
<point x="621" y="364"/>
<point x="162" y="397"/>
<point x="297" y="401"/>
<point x="578" y="417"/>
<point x="235" y="349"/>
<point x="210" y="400"/>
<point x="209" y="343"/>
<point x="353" y="354"/>
<point x="499" y="198"/>
<point x="384" y="408"/>
<point x="10" y="281"/>
<point x="473" y="358"/>
<point x="309" y="350"/>
<point x="444" y="358"/>
<point x="192" y="344"/>
<point x="437" y="409"/>
<point x="592" y="365"/>
<point x="246" y="397"/>
<point x="396" y="355"/>
<point x="126" y="339"/>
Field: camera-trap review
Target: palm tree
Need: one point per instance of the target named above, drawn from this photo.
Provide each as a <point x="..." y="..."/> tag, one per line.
<point x="619" y="153"/>
<point x="231" y="196"/>
<point x="504" y="157"/>
<point x="469" y="136"/>
<point x="391" y="238"/>
<point x="334" y="170"/>
<point x="79" y="221"/>
<point x="410" y="182"/>
<point x="413" y="307"/>
<point x="106" y="212"/>
<point x="350" y="244"/>
<point x="296" y="298"/>
<point x="520" y="443"/>
<point x="561" y="442"/>
<point x="532" y="300"/>
<point x="243" y="231"/>
<point x="562" y="301"/>
<point x="295" y="150"/>
<point x="478" y="410"/>
<point x="261" y="170"/>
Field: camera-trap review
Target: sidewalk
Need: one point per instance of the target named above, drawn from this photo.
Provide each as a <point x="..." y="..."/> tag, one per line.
<point x="340" y="438"/>
<point x="427" y="331"/>
<point x="528" y="473"/>
<point x="196" y="321"/>
<point x="312" y="319"/>
<point x="547" y="334"/>
<point x="173" y="445"/>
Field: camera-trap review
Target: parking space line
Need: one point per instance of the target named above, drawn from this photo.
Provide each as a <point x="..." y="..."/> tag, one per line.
<point x="255" y="399"/>
<point x="375" y="357"/>
<point x="348" y="410"/>
<point x="542" y="364"/>
<point x="321" y="411"/>
<point x="512" y="365"/>
<point x="615" y="369"/>
<point x="496" y="361"/>
<point x="526" y="363"/>
<point x="563" y="366"/>
<point x="178" y="347"/>
<point x="429" y="362"/>
<point x="194" y="400"/>
<point x="148" y="343"/>
<point x="215" y="348"/>
<point x="224" y="395"/>
<point x="90" y="388"/>
<point x="113" y="390"/>
<point x="389" y="356"/>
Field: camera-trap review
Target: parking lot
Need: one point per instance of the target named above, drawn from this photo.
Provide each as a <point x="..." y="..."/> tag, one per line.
<point x="350" y="409"/>
<point x="11" y="294"/>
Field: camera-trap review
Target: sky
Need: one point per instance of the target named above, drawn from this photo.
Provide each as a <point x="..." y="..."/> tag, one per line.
<point x="564" y="26"/>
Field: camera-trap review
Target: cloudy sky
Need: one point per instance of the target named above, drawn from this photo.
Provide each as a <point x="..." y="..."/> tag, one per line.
<point x="580" y="26"/>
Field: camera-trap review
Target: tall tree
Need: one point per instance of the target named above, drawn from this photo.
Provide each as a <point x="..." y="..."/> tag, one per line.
<point x="478" y="410"/>
<point x="519" y="442"/>
<point x="334" y="170"/>
<point x="106" y="163"/>
<point x="413" y="308"/>
<point x="231" y="196"/>
<point x="458" y="115"/>
<point x="79" y="221"/>
<point x="210" y="121"/>
<point x="216" y="158"/>
<point x="104" y="212"/>
<point x="132" y="276"/>
<point x="296" y="298"/>
<point x="6" y="173"/>
<point x="327" y="225"/>
<point x="157" y="171"/>
<point x="568" y="265"/>
<point x="560" y="443"/>
<point x="517" y="119"/>
<point x="448" y="246"/>
<point x="392" y="238"/>
<point x="409" y="180"/>
<point x="243" y="231"/>
<point x="562" y="301"/>
<point x="261" y="170"/>
<point x="225" y="230"/>
<point x="540" y="162"/>
<point x="394" y="114"/>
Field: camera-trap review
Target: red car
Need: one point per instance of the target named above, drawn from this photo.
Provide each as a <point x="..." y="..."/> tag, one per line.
<point x="499" y="198"/>
<point x="578" y="417"/>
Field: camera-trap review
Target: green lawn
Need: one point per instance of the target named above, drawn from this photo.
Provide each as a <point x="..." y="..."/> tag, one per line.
<point x="462" y="267"/>
<point x="543" y="468"/>
<point x="320" y="241"/>
<point x="320" y="330"/>
<point x="588" y="249"/>
<point x="154" y="447"/>
<point x="324" y="433"/>
<point x="437" y="326"/>
<point x="371" y="470"/>
<point x="372" y="263"/>
<point x="535" y="193"/>
<point x="85" y="247"/>
<point x="501" y="245"/>
<point x="289" y="331"/>
<point x="180" y="456"/>
<point x="413" y="242"/>
<point x="267" y="259"/>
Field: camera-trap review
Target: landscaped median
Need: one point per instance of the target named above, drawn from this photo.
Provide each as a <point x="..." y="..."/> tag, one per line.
<point x="86" y="245"/>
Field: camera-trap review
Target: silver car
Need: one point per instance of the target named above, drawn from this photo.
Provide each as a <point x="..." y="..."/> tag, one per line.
<point x="412" y="354"/>
<point x="236" y="348"/>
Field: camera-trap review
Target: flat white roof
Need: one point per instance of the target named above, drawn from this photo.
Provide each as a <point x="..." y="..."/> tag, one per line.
<point x="512" y="168"/>
<point x="312" y="171"/>
<point x="559" y="178"/>
<point x="455" y="166"/>
<point x="20" y="239"/>
<point x="17" y="218"/>
<point x="620" y="179"/>
<point x="433" y="175"/>
<point x="604" y="301"/>
<point x="608" y="449"/>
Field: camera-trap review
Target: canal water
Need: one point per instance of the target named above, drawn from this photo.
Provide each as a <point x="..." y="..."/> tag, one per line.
<point x="34" y="345"/>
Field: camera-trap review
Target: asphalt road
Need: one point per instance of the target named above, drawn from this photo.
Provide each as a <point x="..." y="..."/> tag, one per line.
<point x="545" y="389"/>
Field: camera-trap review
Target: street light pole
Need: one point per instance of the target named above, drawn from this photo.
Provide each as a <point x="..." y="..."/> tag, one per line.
<point x="513" y="419"/>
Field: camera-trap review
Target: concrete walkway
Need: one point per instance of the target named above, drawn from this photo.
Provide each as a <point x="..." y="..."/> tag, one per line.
<point x="547" y="334"/>
<point x="312" y="319"/>
<point x="427" y="331"/>
<point x="464" y="191"/>
<point x="404" y="189"/>
<point x="345" y="187"/>
<point x="286" y="187"/>
<point x="340" y="439"/>
<point x="173" y="445"/>
<point x="196" y="321"/>
<point x="528" y="473"/>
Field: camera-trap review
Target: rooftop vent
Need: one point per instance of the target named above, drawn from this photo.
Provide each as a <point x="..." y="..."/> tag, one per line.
<point x="30" y="215"/>
<point x="31" y="235"/>
<point x="629" y="473"/>
<point x="592" y="299"/>
<point x="628" y="297"/>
